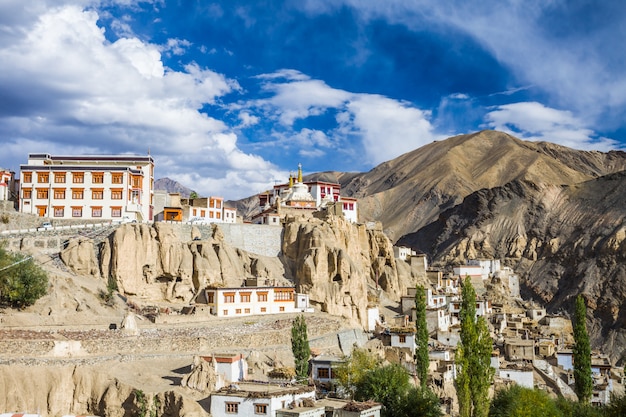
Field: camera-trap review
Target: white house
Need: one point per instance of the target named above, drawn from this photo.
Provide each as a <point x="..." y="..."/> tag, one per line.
<point x="252" y="399"/>
<point x="246" y="301"/>
<point x="438" y="319"/>
<point x="402" y="252"/>
<point x="564" y="359"/>
<point x="230" y="367"/>
<point x="403" y="338"/>
<point x="488" y="266"/>
<point x="521" y="376"/>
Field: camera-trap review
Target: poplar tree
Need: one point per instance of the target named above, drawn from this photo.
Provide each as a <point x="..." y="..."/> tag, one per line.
<point x="583" y="382"/>
<point x="473" y="358"/>
<point x="300" y="347"/>
<point x="421" y="336"/>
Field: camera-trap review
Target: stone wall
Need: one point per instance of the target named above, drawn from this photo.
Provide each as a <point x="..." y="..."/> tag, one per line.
<point x="254" y="238"/>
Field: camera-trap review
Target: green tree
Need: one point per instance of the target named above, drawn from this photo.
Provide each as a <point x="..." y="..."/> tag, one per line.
<point x="300" y="347"/>
<point x="421" y="402"/>
<point x="193" y="195"/>
<point x="22" y="282"/>
<point x="617" y="406"/>
<point x="388" y="385"/>
<point x="473" y="358"/>
<point x="583" y="382"/>
<point x="517" y="401"/>
<point x="353" y="370"/>
<point x="421" y="336"/>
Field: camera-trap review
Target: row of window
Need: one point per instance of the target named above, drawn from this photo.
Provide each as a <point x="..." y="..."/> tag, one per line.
<point x="78" y="211"/>
<point x="77" y="177"/>
<point x="247" y="310"/>
<point x="77" y="193"/>
<point x="261" y="297"/>
<point x="212" y="214"/>
<point x="233" y="408"/>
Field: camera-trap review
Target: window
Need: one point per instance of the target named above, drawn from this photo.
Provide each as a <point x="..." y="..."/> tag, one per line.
<point x="323" y="373"/>
<point x="263" y="309"/>
<point x="116" y="193"/>
<point x="97" y="177"/>
<point x="281" y="309"/>
<point x="96" y="212"/>
<point x="116" y="212"/>
<point x="283" y="295"/>
<point x="245" y="297"/>
<point x="218" y="204"/>
<point x="27" y="193"/>
<point x="229" y="297"/>
<point x="232" y="408"/>
<point x="59" y="193"/>
<point x="78" y="177"/>
<point x="218" y="215"/>
<point x="210" y="298"/>
<point x="59" y="177"/>
<point x="117" y="178"/>
<point x="211" y="214"/>
<point x="97" y="194"/>
<point x="247" y="311"/>
<point x="136" y="181"/>
<point x="59" y="211"/>
<point x="77" y="212"/>
<point x="194" y="212"/>
<point x="262" y="296"/>
<point x="402" y="338"/>
<point x="260" y="408"/>
<point x="42" y="193"/>
<point x="202" y="213"/>
<point x="43" y="177"/>
<point x="226" y="312"/>
<point x="28" y="177"/>
<point x="77" y="193"/>
<point x="238" y="311"/>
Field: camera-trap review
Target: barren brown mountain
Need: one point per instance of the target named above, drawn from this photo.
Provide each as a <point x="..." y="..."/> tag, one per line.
<point x="410" y="191"/>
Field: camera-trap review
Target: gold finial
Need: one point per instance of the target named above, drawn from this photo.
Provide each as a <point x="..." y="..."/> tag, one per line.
<point x="299" y="172"/>
<point x="290" y="179"/>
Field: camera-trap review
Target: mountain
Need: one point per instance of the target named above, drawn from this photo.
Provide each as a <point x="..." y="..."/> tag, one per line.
<point x="409" y="192"/>
<point x="171" y="186"/>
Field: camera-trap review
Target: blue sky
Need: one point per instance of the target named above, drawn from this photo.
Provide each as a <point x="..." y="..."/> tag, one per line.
<point x="229" y="96"/>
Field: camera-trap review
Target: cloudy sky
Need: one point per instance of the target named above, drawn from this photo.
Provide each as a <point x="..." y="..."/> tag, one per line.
<point x="229" y="96"/>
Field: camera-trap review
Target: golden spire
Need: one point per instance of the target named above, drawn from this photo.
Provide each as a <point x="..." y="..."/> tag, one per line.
<point x="299" y="172"/>
<point x="290" y="180"/>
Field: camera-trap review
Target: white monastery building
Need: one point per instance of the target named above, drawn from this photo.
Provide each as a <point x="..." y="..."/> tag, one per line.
<point x="88" y="187"/>
<point x="304" y="196"/>
<point x="246" y="301"/>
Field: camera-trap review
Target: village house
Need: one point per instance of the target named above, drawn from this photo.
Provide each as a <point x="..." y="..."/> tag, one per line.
<point x="248" y="399"/>
<point x="323" y="371"/>
<point x="229" y="368"/>
<point x="88" y="187"/>
<point x="519" y="350"/>
<point x="521" y="375"/>
<point x="403" y="253"/>
<point x="9" y="187"/>
<point x="202" y="210"/>
<point x="333" y="407"/>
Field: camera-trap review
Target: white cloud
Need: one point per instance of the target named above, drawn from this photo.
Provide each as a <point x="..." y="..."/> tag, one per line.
<point x="74" y="92"/>
<point x="176" y="46"/>
<point x="536" y="122"/>
<point x="385" y="127"/>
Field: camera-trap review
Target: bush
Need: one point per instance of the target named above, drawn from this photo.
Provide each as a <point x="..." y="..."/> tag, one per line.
<point x="22" y="282"/>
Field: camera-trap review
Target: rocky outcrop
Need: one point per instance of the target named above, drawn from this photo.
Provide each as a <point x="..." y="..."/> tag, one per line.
<point x="160" y="263"/>
<point x="80" y="255"/>
<point x="338" y="264"/>
<point x="59" y="390"/>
